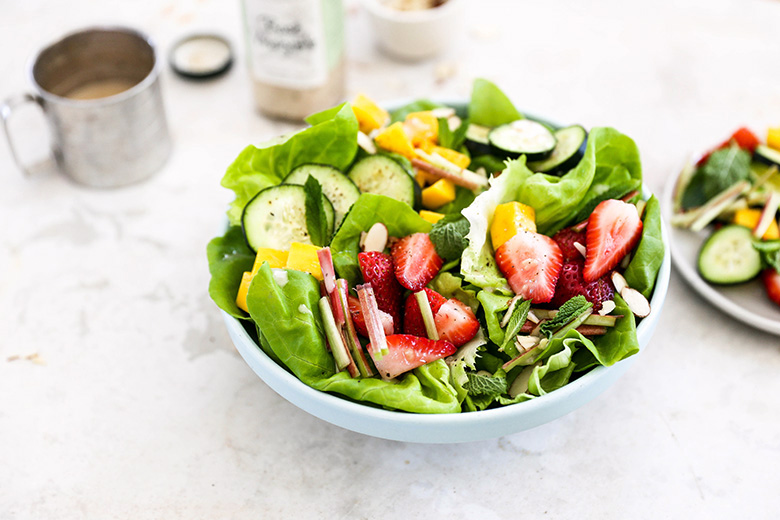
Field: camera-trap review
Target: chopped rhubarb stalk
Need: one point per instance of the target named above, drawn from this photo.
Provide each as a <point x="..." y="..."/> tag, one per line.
<point x="335" y="340"/>
<point x="427" y="315"/>
<point x="326" y="265"/>
<point x="376" y="333"/>
<point x="697" y="219"/>
<point x="682" y="182"/>
<point x="348" y="330"/>
<point x="464" y="178"/>
<point x="767" y="215"/>
<point x="591" y="330"/>
<point x="630" y="195"/>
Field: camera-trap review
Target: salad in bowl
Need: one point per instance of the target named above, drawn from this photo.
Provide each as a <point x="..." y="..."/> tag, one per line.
<point x="439" y="258"/>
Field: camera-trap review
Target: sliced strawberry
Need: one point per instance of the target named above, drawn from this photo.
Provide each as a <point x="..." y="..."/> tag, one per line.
<point x="416" y="261"/>
<point x="413" y="320"/>
<point x="614" y="228"/>
<point x="531" y="263"/>
<point x="771" y="279"/>
<point x="565" y="238"/>
<point x="455" y="322"/>
<point x="377" y="269"/>
<point x="360" y="322"/>
<point x="406" y="352"/>
<point x="571" y="284"/>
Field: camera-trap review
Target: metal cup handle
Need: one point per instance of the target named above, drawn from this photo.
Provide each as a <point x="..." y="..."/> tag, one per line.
<point x="6" y="109"/>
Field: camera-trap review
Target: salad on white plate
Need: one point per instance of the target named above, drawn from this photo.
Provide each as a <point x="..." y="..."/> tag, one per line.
<point x="724" y="207"/>
<point x="439" y="259"/>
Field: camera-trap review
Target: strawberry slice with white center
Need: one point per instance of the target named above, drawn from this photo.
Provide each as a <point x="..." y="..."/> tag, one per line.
<point x="531" y="263"/>
<point x="771" y="279"/>
<point x="377" y="269"/>
<point x="413" y="320"/>
<point x="455" y="322"/>
<point x="416" y="262"/>
<point x="406" y="352"/>
<point x="614" y="229"/>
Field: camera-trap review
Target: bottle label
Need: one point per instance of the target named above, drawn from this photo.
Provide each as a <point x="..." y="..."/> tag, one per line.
<point x="287" y="44"/>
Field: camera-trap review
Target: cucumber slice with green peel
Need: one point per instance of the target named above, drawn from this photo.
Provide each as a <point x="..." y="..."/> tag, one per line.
<point x="276" y="217"/>
<point x="767" y="155"/>
<point x="523" y="137"/>
<point x="339" y="189"/>
<point x="567" y="152"/>
<point x="384" y="175"/>
<point x="728" y="256"/>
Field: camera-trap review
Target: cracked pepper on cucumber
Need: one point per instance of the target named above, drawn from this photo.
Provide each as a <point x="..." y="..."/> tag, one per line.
<point x="439" y="259"/>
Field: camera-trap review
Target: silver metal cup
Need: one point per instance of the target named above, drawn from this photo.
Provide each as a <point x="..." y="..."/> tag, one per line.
<point x="99" y="89"/>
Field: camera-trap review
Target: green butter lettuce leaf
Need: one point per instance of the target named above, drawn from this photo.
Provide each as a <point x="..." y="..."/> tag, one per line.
<point x="332" y="140"/>
<point x="421" y="105"/>
<point x="620" y="341"/>
<point x="478" y="265"/>
<point x="620" y="186"/>
<point x="451" y="286"/>
<point x="646" y="262"/>
<point x="556" y="370"/>
<point x="286" y="311"/>
<point x="399" y="217"/>
<point x="449" y="236"/>
<point x="494" y="306"/>
<point x="229" y="257"/>
<point x="489" y="106"/>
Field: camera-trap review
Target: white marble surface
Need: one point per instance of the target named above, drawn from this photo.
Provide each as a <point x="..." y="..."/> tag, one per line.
<point x="121" y="395"/>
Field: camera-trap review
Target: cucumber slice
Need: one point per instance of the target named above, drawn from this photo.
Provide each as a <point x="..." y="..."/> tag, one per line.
<point x="477" y="141"/>
<point x="728" y="256"/>
<point x="523" y="137"/>
<point x="276" y="217"/>
<point x="767" y="155"/>
<point x="383" y="175"/>
<point x="567" y="153"/>
<point x="339" y="189"/>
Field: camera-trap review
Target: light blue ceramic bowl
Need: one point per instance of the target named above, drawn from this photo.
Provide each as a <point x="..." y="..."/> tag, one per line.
<point x="462" y="427"/>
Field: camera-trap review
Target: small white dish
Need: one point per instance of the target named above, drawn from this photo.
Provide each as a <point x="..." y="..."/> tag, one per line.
<point x="415" y="35"/>
<point x="746" y="302"/>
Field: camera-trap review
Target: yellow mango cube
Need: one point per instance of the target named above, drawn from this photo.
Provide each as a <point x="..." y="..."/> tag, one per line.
<point x="303" y="257"/>
<point x="370" y="116"/>
<point x="773" y="138"/>
<point x="458" y="159"/>
<point x="274" y="257"/>
<point x="431" y="216"/>
<point x="438" y="194"/>
<point x="749" y="218"/>
<point x="422" y="127"/>
<point x="394" y="139"/>
<point x="243" y="289"/>
<point x="509" y="219"/>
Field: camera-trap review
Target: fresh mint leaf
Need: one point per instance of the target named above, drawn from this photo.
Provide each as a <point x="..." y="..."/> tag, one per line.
<point x="770" y="252"/>
<point x="568" y="311"/>
<point x="449" y="236"/>
<point x="452" y="139"/>
<point x="724" y="168"/>
<point x="485" y="385"/>
<point x="516" y="322"/>
<point x="316" y="220"/>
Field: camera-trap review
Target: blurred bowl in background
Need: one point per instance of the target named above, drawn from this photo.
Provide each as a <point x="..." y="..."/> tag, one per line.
<point x="415" y="34"/>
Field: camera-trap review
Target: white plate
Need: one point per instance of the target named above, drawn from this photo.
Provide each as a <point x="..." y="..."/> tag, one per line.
<point x="746" y="302"/>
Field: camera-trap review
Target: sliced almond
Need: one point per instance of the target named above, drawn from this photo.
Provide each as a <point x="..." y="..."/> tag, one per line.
<point x="376" y="238"/>
<point x="532" y="317"/>
<point x="636" y="302"/>
<point x="366" y="143"/>
<point x="607" y="306"/>
<point x="454" y="123"/>
<point x="579" y="247"/>
<point x="619" y="282"/>
<point x="443" y="112"/>
<point x="526" y="343"/>
<point x="362" y="242"/>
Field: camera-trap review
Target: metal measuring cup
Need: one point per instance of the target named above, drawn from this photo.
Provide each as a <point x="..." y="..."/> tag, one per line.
<point x="100" y="92"/>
